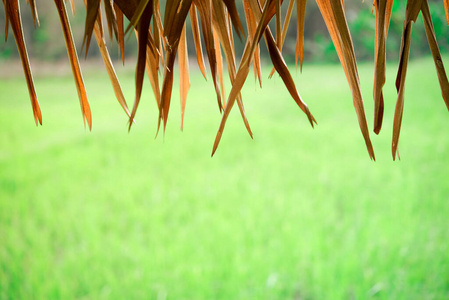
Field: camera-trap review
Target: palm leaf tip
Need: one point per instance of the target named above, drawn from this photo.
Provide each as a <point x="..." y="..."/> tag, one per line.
<point x="13" y="16"/>
<point x="159" y="43"/>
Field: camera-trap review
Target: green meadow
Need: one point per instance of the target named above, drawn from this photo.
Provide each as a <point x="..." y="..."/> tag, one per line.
<point x="295" y="213"/>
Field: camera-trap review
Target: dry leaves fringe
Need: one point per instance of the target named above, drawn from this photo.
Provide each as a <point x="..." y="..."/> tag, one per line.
<point x="159" y="42"/>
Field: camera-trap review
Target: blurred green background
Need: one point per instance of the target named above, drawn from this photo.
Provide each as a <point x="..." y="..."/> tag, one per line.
<point x="45" y="42"/>
<point x="295" y="213"/>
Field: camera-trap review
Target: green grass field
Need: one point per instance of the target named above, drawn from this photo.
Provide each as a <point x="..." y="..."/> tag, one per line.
<point x="296" y="213"/>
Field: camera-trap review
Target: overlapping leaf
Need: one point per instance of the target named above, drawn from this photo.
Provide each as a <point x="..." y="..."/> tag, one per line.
<point x="383" y="13"/>
<point x="414" y="7"/>
<point x="160" y="42"/>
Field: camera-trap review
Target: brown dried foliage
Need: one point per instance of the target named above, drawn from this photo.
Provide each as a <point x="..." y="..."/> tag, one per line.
<point x="160" y="40"/>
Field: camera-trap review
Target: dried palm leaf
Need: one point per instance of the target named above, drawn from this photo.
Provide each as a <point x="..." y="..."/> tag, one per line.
<point x="98" y="31"/>
<point x="219" y="21"/>
<point x="383" y="10"/>
<point x="73" y="57"/>
<point x="223" y="31"/>
<point x="120" y="31"/>
<point x="288" y="16"/>
<point x="197" y="40"/>
<point x="411" y="14"/>
<point x="93" y="9"/>
<point x="264" y="16"/>
<point x="430" y="32"/>
<point x="252" y="25"/>
<point x="34" y="12"/>
<point x="111" y="18"/>
<point x="234" y="15"/>
<point x="175" y="15"/>
<point x="205" y="11"/>
<point x="12" y="12"/>
<point x="142" y="28"/>
<point x="300" y="16"/>
<point x="184" y="79"/>
<point x="335" y="20"/>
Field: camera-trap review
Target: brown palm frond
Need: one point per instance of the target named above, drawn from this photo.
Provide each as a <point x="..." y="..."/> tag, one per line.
<point x="71" y="51"/>
<point x="205" y="11"/>
<point x="161" y="41"/>
<point x="383" y="14"/>
<point x="184" y="79"/>
<point x="301" y="12"/>
<point x="13" y="16"/>
<point x="335" y="19"/>
<point x="197" y="40"/>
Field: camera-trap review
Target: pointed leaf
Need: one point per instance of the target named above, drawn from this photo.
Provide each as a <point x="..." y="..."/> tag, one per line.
<point x="142" y="28"/>
<point x="12" y="13"/>
<point x="197" y="40"/>
<point x="71" y="51"/>
<point x="205" y="12"/>
<point x="411" y="13"/>
<point x="334" y="17"/>
<point x="184" y="80"/>
<point x="430" y="32"/>
<point x="300" y="15"/>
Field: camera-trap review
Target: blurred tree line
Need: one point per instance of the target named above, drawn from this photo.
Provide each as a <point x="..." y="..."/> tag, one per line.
<point x="46" y="42"/>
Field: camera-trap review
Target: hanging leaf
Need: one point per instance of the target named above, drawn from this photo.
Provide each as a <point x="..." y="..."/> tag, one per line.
<point x="98" y="31"/>
<point x="73" y="57"/>
<point x="175" y="15"/>
<point x="120" y="31"/>
<point x="284" y="29"/>
<point x="446" y="10"/>
<point x="334" y="17"/>
<point x="300" y="16"/>
<point x="242" y="73"/>
<point x="93" y="9"/>
<point x="12" y="12"/>
<point x="430" y="32"/>
<point x="223" y="31"/>
<point x="34" y="12"/>
<point x="252" y="25"/>
<point x="383" y="9"/>
<point x="205" y="11"/>
<point x="184" y="79"/>
<point x="197" y="40"/>
<point x="142" y="28"/>
<point x="411" y="13"/>
<point x="234" y="15"/>
<point x="111" y="18"/>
